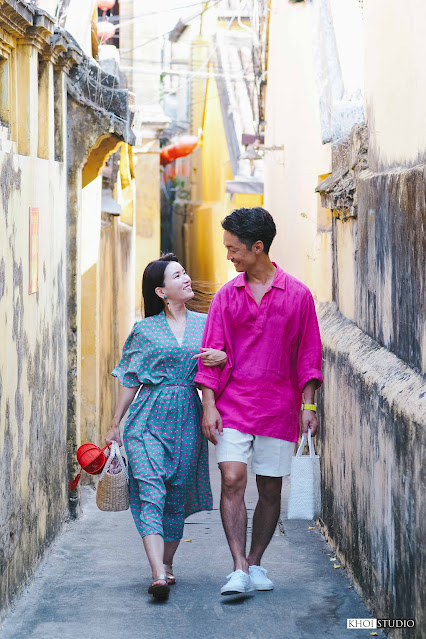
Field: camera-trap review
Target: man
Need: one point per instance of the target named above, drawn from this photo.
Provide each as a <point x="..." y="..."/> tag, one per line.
<point x="265" y="320"/>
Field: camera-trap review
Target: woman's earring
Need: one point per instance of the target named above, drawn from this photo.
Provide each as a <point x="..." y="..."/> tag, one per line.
<point x="165" y="297"/>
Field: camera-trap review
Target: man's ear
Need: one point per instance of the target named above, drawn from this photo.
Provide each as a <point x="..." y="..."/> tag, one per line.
<point x="258" y="247"/>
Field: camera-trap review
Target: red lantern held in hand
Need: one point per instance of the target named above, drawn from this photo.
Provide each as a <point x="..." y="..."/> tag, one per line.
<point x="91" y="459"/>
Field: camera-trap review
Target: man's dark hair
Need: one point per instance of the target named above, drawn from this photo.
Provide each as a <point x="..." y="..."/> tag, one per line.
<point x="153" y="277"/>
<point x="251" y="225"/>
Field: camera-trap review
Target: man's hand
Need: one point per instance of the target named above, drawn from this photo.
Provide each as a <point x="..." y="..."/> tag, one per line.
<point x="309" y="420"/>
<point x="212" y="421"/>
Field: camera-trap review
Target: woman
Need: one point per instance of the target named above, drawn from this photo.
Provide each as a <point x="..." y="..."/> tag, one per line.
<point x="167" y="453"/>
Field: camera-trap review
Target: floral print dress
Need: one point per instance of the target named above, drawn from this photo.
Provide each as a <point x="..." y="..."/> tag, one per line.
<point x="166" y="450"/>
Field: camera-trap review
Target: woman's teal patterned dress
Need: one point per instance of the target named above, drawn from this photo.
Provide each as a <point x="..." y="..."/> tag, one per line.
<point x="167" y="452"/>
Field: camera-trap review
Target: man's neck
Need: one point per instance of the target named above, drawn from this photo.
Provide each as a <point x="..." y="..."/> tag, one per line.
<point x="262" y="271"/>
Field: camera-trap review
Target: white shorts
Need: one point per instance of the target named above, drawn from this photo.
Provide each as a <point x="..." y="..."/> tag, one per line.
<point x="271" y="457"/>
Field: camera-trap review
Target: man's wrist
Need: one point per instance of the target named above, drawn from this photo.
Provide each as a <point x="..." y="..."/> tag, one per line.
<point x="312" y="407"/>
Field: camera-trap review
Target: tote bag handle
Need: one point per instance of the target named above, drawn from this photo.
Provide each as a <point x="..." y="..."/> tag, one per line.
<point x="310" y="444"/>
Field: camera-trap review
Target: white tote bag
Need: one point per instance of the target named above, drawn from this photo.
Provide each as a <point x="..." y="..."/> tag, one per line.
<point x="305" y="483"/>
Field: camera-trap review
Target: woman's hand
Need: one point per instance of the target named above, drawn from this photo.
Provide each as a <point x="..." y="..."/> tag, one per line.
<point x="113" y="435"/>
<point x="212" y="357"/>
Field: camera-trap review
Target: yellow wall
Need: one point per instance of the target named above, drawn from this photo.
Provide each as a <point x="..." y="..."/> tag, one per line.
<point x="203" y="234"/>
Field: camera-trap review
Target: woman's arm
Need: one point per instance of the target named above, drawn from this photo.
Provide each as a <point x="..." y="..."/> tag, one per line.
<point x="125" y="398"/>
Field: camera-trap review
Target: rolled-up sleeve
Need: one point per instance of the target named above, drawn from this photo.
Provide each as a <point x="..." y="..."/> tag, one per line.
<point x="213" y="337"/>
<point x="127" y="370"/>
<point x="309" y="355"/>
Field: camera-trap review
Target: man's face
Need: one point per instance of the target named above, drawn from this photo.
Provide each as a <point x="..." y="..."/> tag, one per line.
<point x="241" y="257"/>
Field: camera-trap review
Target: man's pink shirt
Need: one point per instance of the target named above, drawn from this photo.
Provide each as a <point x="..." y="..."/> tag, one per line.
<point x="273" y="350"/>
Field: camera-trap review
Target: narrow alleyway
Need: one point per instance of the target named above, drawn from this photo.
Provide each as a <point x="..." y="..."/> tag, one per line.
<point x="94" y="582"/>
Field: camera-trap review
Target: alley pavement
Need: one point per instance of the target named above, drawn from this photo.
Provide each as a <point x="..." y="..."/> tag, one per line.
<point x="94" y="580"/>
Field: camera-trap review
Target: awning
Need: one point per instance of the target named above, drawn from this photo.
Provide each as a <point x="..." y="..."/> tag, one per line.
<point x="244" y="185"/>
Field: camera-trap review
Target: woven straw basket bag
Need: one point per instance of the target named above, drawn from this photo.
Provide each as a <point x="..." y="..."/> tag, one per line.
<point x="112" y="493"/>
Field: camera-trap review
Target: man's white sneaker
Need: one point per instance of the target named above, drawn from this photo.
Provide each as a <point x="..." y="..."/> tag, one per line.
<point x="238" y="582"/>
<point x="259" y="579"/>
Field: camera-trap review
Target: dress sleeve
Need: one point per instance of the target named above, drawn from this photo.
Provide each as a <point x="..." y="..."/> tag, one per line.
<point x="309" y="356"/>
<point x="214" y="337"/>
<point x="127" y="370"/>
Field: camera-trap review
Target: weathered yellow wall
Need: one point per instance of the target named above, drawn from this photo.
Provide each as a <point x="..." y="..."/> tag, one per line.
<point x="51" y="367"/>
<point x="33" y="366"/>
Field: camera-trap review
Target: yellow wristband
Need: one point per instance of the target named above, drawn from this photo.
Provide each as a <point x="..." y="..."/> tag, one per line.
<point x="309" y="407"/>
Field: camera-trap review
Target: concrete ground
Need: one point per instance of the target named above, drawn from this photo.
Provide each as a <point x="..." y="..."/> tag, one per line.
<point x="94" y="583"/>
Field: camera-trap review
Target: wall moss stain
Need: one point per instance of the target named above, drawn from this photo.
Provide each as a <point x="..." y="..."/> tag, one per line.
<point x="10" y="180"/>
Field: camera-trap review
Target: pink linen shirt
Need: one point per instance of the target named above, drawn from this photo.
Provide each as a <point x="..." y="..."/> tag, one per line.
<point x="273" y="350"/>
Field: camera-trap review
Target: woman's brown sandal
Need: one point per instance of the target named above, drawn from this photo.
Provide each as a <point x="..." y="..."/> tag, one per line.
<point x="171" y="579"/>
<point x="159" y="588"/>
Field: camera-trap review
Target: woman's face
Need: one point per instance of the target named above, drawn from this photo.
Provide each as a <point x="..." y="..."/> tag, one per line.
<point x="177" y="284"/>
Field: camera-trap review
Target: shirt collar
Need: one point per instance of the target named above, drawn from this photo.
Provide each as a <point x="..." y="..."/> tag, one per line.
<point x="279" y="279"/>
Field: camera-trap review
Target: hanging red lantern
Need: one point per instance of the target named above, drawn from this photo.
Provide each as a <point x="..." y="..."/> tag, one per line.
<point x="105" y="5"/>
<point x="184" y="146"/>
<point x="106" y="30"/>
<point x="91" y="459"/>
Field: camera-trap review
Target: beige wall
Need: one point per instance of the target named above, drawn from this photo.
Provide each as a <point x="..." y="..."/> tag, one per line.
<point x="147" y="214"/>
<point x="395" y="82"/>
<point x="291" y="175"/>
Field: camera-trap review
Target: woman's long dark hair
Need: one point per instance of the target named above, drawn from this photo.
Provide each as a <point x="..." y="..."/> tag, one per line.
<point x="153" y="277"/>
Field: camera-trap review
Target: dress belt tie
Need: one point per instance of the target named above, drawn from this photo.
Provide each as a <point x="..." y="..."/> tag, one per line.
<point x="170" y="385"/>
<point x="183" y="384"/>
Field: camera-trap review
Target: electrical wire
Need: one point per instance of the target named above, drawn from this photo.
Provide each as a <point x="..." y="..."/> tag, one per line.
<point x="127" y="21"/>
<point x="162" y="35"/>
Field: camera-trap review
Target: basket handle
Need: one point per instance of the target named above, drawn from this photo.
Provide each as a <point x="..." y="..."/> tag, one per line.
<point x="115" y="452"/>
